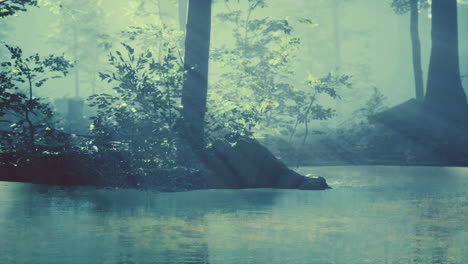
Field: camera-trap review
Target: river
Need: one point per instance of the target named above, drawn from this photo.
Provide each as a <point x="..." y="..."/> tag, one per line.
<point x="373" y="214"/>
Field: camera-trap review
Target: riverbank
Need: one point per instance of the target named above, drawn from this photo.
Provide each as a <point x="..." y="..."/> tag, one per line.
<point x="111" y="170"/>
<point x="244" y="165"/>
<point x="405" y="135"/>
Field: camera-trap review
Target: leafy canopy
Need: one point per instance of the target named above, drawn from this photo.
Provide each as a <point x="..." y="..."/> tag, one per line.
<point x="404" y="6"/>
<point x="11" y="7"/>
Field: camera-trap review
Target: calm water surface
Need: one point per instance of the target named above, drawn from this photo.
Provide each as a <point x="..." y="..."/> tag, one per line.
<point x="373" y="215"/>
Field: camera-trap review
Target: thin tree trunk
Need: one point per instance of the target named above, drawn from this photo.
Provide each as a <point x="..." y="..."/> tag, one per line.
<point x="77" y="71"/>
<point x="161" y="21"/>
<point x="27" y="117"/>
<point x="306" y="133"/>
<point x="194" y="91"/>
<point x="183" y="6"/>
<point x="336" y="33"/>
<point x="416" y="44"/>
<point x="77" y="82"/>
<point x="293" y="132"/>
<point x="444" y="94"/>
<point x="337" y="51"/>
<point x="93" y="81"/>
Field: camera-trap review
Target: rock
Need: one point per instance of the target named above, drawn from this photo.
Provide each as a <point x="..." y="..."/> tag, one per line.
<point x="236" y="163"/>
<point x="248" y="164"/>
<point x="314" y="183"/>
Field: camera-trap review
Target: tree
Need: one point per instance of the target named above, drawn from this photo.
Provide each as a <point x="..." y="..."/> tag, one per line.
<point x="194" y="91"/>
<point x="336" y="33"/>
<point x="11" y="7"/>
<point x="258" y="94"/>
<point x="413" y="6"/>
<point x="445" y="95"/>
<point x="336" y="16"/>
<point x="183" y="5"/>
<point x="80" y="31"/>
<point x="28" y="117"/>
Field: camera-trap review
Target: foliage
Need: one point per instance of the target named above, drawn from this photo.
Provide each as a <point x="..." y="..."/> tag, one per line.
<point x="358" y="140"/>
<point x="11" y="7"/>
<point x="26" y="121"/>
<point x="363" y="137"/>
<point x="403" y="6"/>
<point x="139" y="120"/>
<point x="157" y="35"/>
<point x="375" y="104"/>
<point x="257" y="94"/>
<point x="254" y="3"/>
<point x="307" y="108"/>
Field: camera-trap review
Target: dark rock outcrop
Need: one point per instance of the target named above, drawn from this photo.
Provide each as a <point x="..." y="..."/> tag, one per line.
<point x="248" y="164"/>
<point x="434" y="139"/>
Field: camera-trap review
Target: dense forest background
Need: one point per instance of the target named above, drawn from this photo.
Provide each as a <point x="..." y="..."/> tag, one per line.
<point x="373" y="42"/>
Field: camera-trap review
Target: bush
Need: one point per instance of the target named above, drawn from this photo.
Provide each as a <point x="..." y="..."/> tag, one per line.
<point x="140" y="119"/>
<point x="26" y="123"/>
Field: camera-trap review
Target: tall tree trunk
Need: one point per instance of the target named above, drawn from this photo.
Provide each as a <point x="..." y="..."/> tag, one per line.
<point x="194" y="91"/>
<point x="445" y="94"/>
<point x="416" y="44"/>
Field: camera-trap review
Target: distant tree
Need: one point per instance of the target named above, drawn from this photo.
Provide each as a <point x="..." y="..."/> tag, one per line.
<point x="413" y="6"/>
<point x="194" y="91"/>
<point x="336" y="16"/>
<point x="80" y="31"/>
<point x="11" y="7"/>
<point x="445" y="94"/>
<point x="183" y="6"/>
<point x="336" y="33"/>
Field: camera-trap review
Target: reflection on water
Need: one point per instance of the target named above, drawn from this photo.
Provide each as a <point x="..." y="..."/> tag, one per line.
<point x="373" y="215"/>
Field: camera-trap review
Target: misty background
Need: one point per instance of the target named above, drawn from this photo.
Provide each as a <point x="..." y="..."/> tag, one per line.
<point x="365" y="39"/>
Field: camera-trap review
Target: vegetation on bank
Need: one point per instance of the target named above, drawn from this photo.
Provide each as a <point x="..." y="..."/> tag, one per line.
<point x="158" y="120"/>
<point x="138" y="130"/>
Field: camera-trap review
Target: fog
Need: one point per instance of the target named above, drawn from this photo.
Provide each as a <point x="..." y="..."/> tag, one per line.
<point x="374" y="42"/>
<point x="226" y="131"/>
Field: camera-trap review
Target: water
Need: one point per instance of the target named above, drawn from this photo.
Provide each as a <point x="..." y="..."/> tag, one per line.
<point x="373" y="215"/>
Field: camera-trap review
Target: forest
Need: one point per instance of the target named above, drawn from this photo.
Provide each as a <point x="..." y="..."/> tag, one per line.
<point x="139" y="104"/>
<point x="233" y="131"/>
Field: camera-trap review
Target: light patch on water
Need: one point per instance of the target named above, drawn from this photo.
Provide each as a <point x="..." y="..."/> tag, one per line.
<point x="373" y="215"/>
